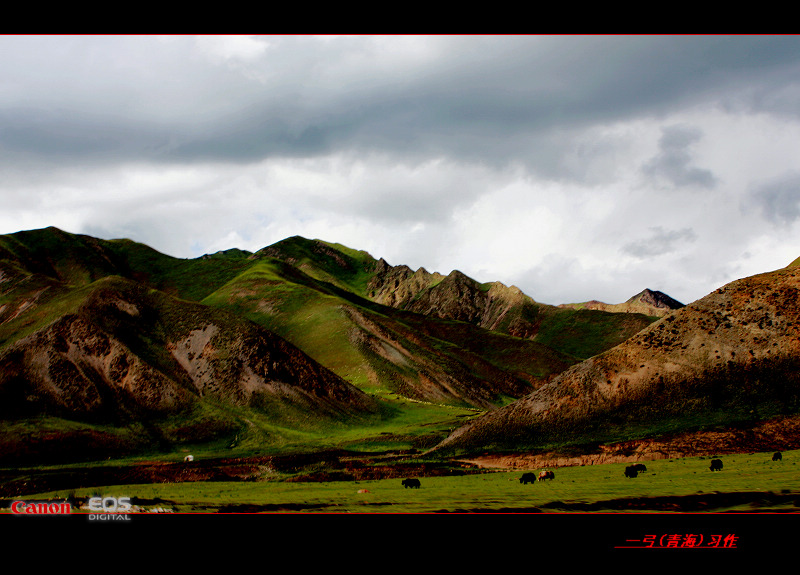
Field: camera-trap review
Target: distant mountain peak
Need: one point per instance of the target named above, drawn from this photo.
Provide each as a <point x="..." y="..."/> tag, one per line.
<point x="657" y="299"/>
<point x="649" y="302"/>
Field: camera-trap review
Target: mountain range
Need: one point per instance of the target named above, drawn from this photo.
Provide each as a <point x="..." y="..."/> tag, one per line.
<point x="111" y="346"/>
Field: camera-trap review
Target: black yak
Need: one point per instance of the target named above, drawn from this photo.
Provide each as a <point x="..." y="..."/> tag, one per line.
<point x="631" y="471"/>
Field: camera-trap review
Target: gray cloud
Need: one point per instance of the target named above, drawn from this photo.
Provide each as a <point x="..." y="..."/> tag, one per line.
<point x="778" y="201"/>
<point x="660" y="242"/>
<point x="673" y="162"/>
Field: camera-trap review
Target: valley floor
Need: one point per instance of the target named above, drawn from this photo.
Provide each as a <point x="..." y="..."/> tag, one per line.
<point x="358" y="483"/>
<point x="677" y="479"/>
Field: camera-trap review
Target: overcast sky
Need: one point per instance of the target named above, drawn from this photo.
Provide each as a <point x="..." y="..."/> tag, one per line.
<point x="575" y="168"/>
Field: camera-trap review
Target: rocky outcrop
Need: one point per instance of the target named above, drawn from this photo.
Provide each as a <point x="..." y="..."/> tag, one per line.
<point x="492" y="306"/>
<point x="398" y="286"/>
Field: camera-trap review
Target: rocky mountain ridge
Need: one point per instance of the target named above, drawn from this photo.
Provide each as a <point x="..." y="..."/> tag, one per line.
<point x="497" y="307"/>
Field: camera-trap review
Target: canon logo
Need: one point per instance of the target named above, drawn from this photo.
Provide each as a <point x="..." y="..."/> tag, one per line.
<point x="40" y="508"/>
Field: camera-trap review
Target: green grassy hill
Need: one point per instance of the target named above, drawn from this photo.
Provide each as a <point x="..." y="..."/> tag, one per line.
<point x="378" y="348"/>
<point x="176" y="345"/>
<point x="134" y="368"/>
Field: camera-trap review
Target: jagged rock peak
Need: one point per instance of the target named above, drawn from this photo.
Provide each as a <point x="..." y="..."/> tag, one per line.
<point x="460" y="276"/>
<point x="500" y="287"/>
<point x="658" y="299"/>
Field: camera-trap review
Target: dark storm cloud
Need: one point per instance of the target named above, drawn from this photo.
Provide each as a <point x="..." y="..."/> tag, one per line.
<point x="501" y="99"/>
<point x="64" y="136"/>
<point x="488" y="99"/>
<point x="660" y="242"/>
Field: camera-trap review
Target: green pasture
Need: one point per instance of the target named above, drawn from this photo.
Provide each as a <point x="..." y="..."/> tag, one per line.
<point x="213" y="429"/>
<point x="404" y="424"/>
<point x="592" y="488"/>
<point x="584" y="333"/>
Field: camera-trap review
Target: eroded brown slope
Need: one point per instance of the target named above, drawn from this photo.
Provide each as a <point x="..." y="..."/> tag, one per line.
<point x="730" y="357"/>
<point x="128" y="351"/>
<point x="422" y="360"/>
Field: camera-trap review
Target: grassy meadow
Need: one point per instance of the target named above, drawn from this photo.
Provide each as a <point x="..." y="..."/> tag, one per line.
<point x="748" y="482"/>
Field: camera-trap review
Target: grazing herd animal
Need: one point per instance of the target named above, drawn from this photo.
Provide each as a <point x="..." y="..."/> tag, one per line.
<point x="631" y="471"/>
<point x="634" y="470"/>
<point x="531" y="477"/>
